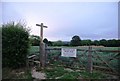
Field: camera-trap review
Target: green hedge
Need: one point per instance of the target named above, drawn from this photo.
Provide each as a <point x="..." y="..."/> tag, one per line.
<point x="15" y="44"/>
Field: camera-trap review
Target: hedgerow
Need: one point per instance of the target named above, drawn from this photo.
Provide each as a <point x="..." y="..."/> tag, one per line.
<point x="15" y="44"/>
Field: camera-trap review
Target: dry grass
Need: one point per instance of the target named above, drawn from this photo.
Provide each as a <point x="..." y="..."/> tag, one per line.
<point x="22" y="73"/>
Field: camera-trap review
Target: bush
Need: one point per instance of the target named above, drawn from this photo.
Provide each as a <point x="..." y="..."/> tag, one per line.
<point x="15" y="44"/>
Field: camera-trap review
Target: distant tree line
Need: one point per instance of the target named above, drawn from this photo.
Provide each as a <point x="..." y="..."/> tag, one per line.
<point x="103" y="42"/>
<point x="35" y="40"/>
<point x="75" y="41"/>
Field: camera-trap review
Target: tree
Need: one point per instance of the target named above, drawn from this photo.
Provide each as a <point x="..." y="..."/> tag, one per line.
<point x="66" y="43"/>
<point x="58" y="43"/>
<point x="86" y="42"/>
<point x="34" y="40"/>
<point x="45" y="41"/>
<point x="96" y="42"/>
<point x="113" y="43"/>
<point x="76" y="41"/>
<point x="50" y="43"/>
<point x="103" y="42"/>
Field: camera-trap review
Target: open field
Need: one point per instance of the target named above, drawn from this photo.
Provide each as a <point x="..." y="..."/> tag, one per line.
<point x="34" y="49"/>
<point x="104" y="60"/>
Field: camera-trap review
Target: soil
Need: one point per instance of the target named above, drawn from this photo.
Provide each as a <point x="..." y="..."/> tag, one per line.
<point x="37" y="75"/>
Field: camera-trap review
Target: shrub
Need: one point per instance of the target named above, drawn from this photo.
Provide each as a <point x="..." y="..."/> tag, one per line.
<point x="15" y="44"/>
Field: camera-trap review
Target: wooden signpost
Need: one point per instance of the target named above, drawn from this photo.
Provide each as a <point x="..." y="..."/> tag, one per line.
<point x="42" y="46"/>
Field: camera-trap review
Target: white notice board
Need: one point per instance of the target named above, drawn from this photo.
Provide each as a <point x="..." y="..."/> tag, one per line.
<point x="68" y="52"/>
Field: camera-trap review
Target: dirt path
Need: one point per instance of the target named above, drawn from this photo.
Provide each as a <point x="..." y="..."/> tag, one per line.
<point x="37" y="75"/>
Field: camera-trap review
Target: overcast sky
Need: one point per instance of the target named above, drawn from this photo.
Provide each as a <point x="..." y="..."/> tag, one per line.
<point x="89" y="20"/>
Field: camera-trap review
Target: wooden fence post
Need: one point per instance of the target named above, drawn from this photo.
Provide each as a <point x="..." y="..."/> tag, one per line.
<point x="42" y="55"/>
<point x="46" y="54"/>
<point x="90" y="63"/>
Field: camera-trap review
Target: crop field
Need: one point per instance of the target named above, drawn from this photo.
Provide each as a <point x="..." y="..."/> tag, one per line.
<point x="102" y="61"/>
<point x="34" y="49"/>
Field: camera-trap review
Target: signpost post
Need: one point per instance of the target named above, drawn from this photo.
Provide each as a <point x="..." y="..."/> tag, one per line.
<point x="42" y="45"/>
